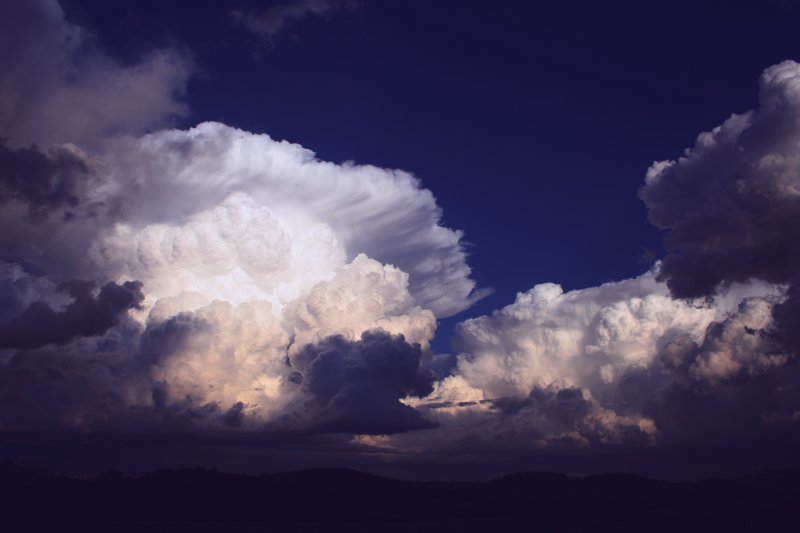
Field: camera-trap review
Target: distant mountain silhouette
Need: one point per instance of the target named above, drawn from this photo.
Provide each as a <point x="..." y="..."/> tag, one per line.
<point x="201" y="500"/>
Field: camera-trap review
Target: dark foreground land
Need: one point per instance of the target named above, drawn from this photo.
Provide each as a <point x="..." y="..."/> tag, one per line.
<point x="344" y="500"/>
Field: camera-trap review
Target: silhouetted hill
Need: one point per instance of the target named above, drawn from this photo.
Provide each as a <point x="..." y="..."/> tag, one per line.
<point x="202" y="500"/>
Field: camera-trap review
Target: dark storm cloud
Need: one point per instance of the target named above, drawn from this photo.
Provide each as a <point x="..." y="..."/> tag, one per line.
<point x="356" y="386"/>
<point x="41" y="181"/>
<point x="48" y="214"/>
<point x="750" y="407"/>
<point x="565" y="417"/>
<point x="87" y="315"/>
<point x="59" y="86"/>
<point x="271" y="21"/>
<point x="732" y="203"/>
<point x="334" y="385"/>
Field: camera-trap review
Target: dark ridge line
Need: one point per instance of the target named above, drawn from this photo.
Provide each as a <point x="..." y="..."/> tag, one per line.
<point x="330" y="499"/>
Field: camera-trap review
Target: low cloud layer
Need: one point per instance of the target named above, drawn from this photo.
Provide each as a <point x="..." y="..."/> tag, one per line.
<point x="623" y="363"/>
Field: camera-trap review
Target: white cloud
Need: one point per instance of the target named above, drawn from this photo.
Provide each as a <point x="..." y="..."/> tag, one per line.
<point x="582" y="338"/>
<point x="324" y="212"/>
<point x="362" y="296"/>
<point x="596" y="366"/>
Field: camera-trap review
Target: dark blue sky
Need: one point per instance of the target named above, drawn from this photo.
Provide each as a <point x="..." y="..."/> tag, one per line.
<point x="532" y="123"/>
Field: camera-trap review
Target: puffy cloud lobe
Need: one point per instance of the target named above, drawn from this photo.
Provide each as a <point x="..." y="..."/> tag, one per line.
<point x="362" y="296"/>
<point x="580" y="338"/>
<point x="236" y="251"/>
<point x="59" y="86"/>
<point x="356" y="386"/>
<point x="732" y="203"/>
<point x="218" y="355"/>
<point x="166" y="178"/>
<point x="87" y="315"/>
<point x="739" y="343"/>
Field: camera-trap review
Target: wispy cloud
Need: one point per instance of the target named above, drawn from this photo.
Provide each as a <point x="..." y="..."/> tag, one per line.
<point x="269" y="22"/>
<point x="60" y="85"/>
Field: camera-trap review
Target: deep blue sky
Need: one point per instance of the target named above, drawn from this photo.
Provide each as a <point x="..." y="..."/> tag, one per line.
<point x="532" y="123"/>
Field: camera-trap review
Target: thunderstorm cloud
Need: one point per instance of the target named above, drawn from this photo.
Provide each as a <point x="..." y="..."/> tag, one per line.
<point x="211" y="278"/>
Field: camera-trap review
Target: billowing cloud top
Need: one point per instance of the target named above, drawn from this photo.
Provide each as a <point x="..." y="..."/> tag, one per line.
<point x="732" y="202"/>
<point x="214" y="200"/>
<point x="59" y="86"/>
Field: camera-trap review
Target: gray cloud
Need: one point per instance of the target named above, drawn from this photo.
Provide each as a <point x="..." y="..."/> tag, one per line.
<point x="732" y="205"/>
<point x="41" y="182"/>
<point x="48" y="214"/>
<point x="59" y="86"/>
<point x="87" y="315"/>
<point x="732" y="202"/>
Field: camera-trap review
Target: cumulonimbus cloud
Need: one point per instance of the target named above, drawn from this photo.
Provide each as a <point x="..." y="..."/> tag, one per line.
<point x="238" y="253"/>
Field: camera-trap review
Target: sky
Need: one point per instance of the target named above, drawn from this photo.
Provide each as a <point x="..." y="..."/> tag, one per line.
<point x="428" y="239"/>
